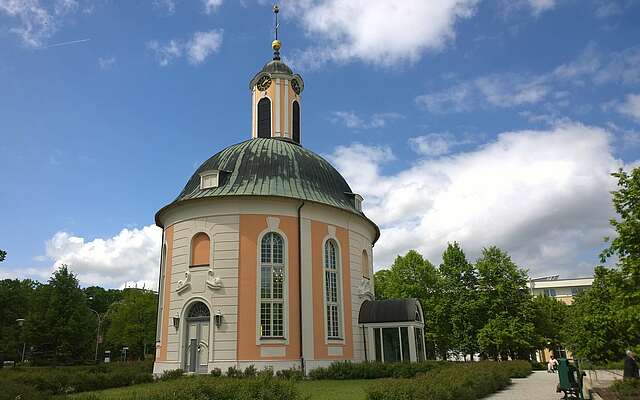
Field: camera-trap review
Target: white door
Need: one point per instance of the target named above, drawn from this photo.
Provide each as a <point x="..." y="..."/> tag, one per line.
<point x="203" y="346"/>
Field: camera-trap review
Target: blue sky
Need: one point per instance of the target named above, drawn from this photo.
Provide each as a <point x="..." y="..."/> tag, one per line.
<point x="483" y="122"/>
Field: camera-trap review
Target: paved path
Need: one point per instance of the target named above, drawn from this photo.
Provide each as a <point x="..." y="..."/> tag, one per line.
<point x="540" y="385"/>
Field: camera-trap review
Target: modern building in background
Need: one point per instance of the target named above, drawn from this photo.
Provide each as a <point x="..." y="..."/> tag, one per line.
<point x="267" y="257"/>
<point x="562" y="289"/>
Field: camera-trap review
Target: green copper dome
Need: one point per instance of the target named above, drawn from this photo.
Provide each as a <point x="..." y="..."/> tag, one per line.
<point x="272" y="167"/>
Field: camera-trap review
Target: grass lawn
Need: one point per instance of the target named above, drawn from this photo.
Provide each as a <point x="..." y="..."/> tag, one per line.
<point x="316" y="390"/>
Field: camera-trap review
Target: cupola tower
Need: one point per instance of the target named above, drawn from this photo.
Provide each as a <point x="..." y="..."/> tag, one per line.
<point x="275" y="97"/>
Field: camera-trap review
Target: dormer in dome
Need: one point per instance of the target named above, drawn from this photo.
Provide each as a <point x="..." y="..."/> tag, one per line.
<point x="275" y="98"/>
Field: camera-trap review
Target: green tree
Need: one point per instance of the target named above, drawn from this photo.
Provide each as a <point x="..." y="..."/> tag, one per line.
<point x="3" y="254"/>
<point x="100" y="299"/>
<point x="133" y="321"/>
<point x="412" y="276"/>
<point x="550" y="315"/>
<point x="15" y="300"/>
<point x="60" y="326"/>
<point x="508" y="330"/>
<point x="458" y="301"/>
<point x="605" y="320"/>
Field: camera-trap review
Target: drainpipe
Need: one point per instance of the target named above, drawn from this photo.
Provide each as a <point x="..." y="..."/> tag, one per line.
<point x="302" y="366"/>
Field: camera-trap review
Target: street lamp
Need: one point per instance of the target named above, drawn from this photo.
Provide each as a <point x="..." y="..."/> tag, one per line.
<point x="98" y="331"/>
<point x="20" y="322"/>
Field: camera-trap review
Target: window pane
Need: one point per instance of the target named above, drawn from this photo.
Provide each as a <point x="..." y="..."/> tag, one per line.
<point x="278" y="324"/>
<point x="391" y="344"/>
<point x="265" y="249"/>
<point x="277" y="249"/>
<point x="265" y="319"/>
<point x="419" y="344"/>
<point x="278" y="278"/>
<point x="404" y="337"/>
<point x="378" y="342"/>
<point x="265" y="282"/>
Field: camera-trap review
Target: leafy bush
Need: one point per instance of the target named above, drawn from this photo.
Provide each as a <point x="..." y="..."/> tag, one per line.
<point x="217" y="372"/>
<point x="233" y="372"/>
<point x="627" y="389"/>
<point x="460" y="381"/>
<point x="373" y="370"/>
<point x="206" y="387"/>
<point x="250" y="371"/>
<point x="292" y="373"/>
<point x="266" y="372"/>
<point x="171" y="374"/>
<point x="65" y="380"/>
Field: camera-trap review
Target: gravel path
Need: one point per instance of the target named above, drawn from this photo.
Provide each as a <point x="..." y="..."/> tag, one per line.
<point x="540" y="385"/>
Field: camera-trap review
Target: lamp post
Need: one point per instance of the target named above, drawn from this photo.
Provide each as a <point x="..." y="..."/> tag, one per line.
<point x="20" y="322"/>
<point x="98" y="331"/>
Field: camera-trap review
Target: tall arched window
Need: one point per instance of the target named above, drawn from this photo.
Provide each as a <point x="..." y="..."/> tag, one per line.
<point x="365" y="264"/>
<point x="200" y="250"/>
<point x="264" y="118"/>
<point x="272" y="285"/>
<point x="296" y="122"/>
<point x="332" y="288"/>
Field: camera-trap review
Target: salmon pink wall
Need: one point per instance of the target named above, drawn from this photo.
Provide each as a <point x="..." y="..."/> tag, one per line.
<point x="168" y="233"/>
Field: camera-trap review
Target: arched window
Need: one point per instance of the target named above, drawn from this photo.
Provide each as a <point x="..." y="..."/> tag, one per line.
<point x="365" y="264"/>
<point x="296" y="122"/>
<point x="200" y="249"/>
<point x="264" y="118"/>
<point x="272" y="285"/>
<point x="198" y="310"/>
<point x="332" y="288"/>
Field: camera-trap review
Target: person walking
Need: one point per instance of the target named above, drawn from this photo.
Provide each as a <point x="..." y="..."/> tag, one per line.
<point x="630" y="366"/>
<point x="552" y="365"/>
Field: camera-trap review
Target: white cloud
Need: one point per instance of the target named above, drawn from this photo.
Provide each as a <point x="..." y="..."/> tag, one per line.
<point x="621" y="67"/>
<point x="435" y="144"/>
<point x="130" y="256"/>
<point x="106" y="63"/>
<point x="211" y="6"/>
<point x="351" y="120"/>
<point x="630" y="107"/>
<point x="200" y="46"/>
<point x="539" y="6"/>
<point x="541" y="195"/>
<point x="497" y="90"/>
<point x="168" y="5"/>
<point x="379" y="32"/>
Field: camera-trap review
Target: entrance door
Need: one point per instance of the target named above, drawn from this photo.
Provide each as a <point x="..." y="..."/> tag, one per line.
<point x="196" y="346"/>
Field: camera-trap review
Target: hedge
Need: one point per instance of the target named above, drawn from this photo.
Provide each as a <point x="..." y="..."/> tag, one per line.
<point x="40" y="382"/>
<point x="262" y="387"/>
<point x="373" y="370"/>
<point x="460" y="381"/>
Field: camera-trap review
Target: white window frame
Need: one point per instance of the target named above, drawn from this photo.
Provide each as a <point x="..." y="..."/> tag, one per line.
<point x="209" y="179"/>
<point x="284" y="339"/>
<point x="340" y="339"/>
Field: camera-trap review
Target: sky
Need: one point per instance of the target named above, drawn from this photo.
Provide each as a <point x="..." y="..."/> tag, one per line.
<point x="482" y="122"/>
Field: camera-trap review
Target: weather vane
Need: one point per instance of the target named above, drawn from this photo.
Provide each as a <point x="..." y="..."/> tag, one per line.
<point x="276" y="43"/>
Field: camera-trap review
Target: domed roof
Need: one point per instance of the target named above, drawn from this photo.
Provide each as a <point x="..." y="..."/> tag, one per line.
<point x="272" y="167"/>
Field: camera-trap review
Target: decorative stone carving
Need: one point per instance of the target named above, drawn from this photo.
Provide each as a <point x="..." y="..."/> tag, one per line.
<point x="364" y="290"/>
<point x="213" y="282"/>
<point x="185" y="284"/>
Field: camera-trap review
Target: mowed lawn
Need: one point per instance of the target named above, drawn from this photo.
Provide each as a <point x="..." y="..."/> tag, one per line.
<point x="314" y="390"/>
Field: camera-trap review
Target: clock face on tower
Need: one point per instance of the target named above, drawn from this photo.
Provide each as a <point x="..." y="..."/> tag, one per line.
<point x="295" y="85"/>
<point x="264" y="83"/>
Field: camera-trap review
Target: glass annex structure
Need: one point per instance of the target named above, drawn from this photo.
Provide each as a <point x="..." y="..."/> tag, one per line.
<point x="393" y="330"/>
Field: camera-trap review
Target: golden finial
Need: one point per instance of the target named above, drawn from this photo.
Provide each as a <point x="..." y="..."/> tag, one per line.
<point x="276" y="45"/>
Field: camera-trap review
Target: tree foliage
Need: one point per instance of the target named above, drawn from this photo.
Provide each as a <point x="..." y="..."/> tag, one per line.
<point x="133" y="321"/>
<point x="15" y="300"/>
<point x="3" y="254"/>
<point x="550" y="315"/>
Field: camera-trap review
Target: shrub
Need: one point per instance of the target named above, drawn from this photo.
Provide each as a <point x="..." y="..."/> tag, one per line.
<point x="217" y="372"/>
<point x="291" y="374"/>
<point x="250" y="371"/>
<point x="627" y="389"/>
<point x="233" y="372"/>
<point x="461" y="381"/>
<point x="373" y="370"/>
<point x="171" y="374"/>
<point x="266" y="372"/>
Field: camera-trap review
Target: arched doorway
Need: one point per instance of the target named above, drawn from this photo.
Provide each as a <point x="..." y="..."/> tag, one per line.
<point x="196" y="347"/>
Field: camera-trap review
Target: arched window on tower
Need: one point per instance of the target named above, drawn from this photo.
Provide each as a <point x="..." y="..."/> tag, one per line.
<point x="365" y="264"/>
<point x="264" y="118"/>
<point x="272" y="286"/>
<point x="200" y="249"/>
<point x="296" y="122"/>
<point x="332" y="289"/>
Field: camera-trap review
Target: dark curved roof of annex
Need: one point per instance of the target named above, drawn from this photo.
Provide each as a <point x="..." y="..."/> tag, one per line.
<point x="272" y="167"/>
<point x="392" y="310"/>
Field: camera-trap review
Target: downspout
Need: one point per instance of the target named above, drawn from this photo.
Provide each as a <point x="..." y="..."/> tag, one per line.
<point x="302" y="366"/>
